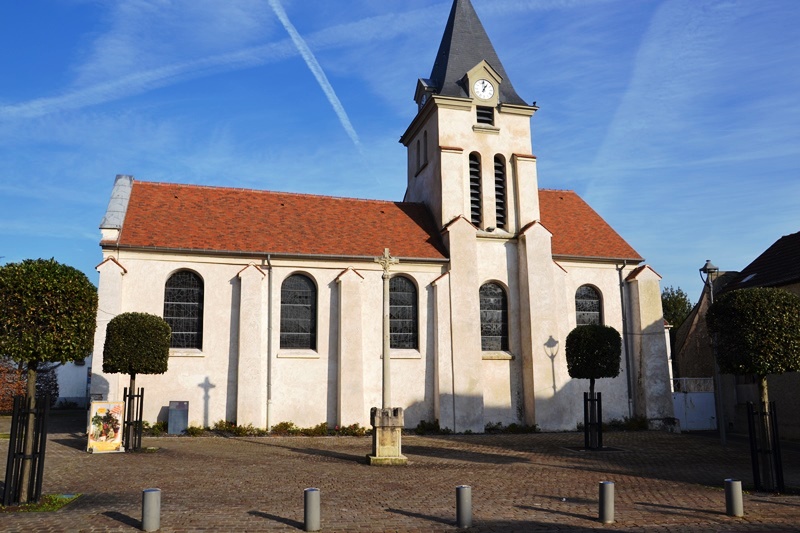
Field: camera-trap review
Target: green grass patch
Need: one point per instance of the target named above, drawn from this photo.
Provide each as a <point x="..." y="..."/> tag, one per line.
<point x="47" y="504"/>
<point x="5" y="436"/>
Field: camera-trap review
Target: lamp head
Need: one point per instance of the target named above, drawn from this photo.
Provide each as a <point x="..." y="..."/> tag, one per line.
<point x="709" y="268"/>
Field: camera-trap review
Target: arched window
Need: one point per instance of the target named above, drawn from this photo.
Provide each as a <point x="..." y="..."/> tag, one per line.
<point x="183" y="309"/>
<point x="425" y="146"/>
<point x="475" y="188"/>
<point x="587" y="306"/>
<point x="298" y="313"/>
<point x="494" y="318"/>
<point x="402" y="313"/>
<point x="500" y="190"/>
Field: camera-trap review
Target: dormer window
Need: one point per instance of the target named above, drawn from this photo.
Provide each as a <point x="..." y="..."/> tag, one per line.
<point x="485" y="115"/>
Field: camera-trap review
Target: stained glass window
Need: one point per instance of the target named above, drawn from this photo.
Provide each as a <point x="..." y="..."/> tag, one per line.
<point x="402" y="313"/>
<point x="494" y="318"/>
<point x="587" y="306"/>
<point x="183" y="309"/>
<point x="299" y="313"/>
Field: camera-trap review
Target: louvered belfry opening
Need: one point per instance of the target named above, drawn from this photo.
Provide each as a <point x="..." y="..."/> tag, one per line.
<point x="475" y="188"/>
<point x="500" y="191"/>
<point x="485" y="115"/>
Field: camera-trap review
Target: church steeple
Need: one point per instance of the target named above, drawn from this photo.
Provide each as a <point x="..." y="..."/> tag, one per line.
<point x="464" y="45"/>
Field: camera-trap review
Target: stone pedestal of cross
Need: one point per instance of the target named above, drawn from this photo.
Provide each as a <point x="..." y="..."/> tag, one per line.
<point x="386" y="421"/>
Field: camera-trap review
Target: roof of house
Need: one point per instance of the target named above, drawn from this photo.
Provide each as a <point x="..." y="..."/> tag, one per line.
<point x="779" y="265"/>
<point x="578" y="231"/>
<point x="464" y="45"/>
<point x="171" y="216"/>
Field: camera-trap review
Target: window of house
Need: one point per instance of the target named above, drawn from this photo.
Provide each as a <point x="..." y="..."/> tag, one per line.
<point x="183" y="309"/>
<point x="475" y="188"/>
<point x="494" y="318"/>
<point x="298" y="313"/>
<point x="485" y="115"/>
<point x="500" y="191"/>
<point x="402" y="313"/>
<point x="587" y="306"/>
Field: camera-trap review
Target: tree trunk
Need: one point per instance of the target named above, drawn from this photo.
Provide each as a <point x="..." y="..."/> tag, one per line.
<point x="764" y="430"/>
<point x="30" y="423"/>
<point x="129" y="415"/>
<point x="593" y="429"/>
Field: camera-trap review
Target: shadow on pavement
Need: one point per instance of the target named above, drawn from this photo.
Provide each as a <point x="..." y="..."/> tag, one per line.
<point x="554" y="511"/>
<point x="677" y="509"/>
<point x="461" y="455"/>
<point x="276" y="518"/>
<point x="429" y="518"/>
<point x="123" y="518"/>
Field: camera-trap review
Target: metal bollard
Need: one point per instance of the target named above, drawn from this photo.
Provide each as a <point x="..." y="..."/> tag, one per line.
<point x="607" y="502"/>
<point x="733" y="498"/>
<point x="464" y="506"/>
<point x="151" y="509"/>
<point x="311" y="512"/>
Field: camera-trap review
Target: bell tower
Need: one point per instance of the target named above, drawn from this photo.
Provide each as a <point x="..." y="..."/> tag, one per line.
<point x="469" y="147"/>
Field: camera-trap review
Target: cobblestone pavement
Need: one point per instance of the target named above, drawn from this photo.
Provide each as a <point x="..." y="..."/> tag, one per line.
<point x="663" y="482"/>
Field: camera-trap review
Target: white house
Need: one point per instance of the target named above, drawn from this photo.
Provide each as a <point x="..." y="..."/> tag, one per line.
<point x="275" y="299"/>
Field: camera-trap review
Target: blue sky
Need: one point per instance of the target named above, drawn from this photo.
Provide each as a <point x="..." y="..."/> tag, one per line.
<point x="677" y="120"/>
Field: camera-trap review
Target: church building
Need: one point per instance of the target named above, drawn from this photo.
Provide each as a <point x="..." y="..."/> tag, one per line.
<point x="279" y="317"/>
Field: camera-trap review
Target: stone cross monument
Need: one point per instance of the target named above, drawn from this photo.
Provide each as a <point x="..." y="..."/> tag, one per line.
<point x="387" y="422"/>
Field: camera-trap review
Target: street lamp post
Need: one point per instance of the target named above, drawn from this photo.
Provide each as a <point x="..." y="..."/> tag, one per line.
<point x="710" y="272"/>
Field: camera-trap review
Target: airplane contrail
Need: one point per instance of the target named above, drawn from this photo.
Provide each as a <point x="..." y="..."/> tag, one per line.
<point x="316" y="70"/>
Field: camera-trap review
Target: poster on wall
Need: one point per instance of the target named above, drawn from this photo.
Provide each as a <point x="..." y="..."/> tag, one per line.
<point x="105" y="427"/>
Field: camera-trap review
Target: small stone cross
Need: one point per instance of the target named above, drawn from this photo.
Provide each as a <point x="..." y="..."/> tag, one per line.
<point x="386" y="260"/>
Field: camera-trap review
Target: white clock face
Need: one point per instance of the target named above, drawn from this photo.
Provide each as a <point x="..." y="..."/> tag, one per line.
<point x="483" y="89"/>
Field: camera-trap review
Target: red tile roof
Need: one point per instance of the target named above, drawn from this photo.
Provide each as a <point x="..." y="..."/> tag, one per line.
<point x="191" y="217"/>
<point x="578" y="231"/>
<point x="199" y="218"/>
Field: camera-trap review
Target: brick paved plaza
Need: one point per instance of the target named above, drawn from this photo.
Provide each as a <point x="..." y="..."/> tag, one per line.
<point x="663" y="482"/>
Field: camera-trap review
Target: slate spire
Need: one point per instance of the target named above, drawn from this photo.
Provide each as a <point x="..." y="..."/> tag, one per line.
<point x="464" y="45"/>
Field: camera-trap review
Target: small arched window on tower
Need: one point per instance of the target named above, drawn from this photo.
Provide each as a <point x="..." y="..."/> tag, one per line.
<point x="500" y="191"/>
<point x="183" y="309"/>
<point x="587" y="306"/>
<point x="402" y="313"/>
<point x="298" y="313"/>
<point x="494" y="318"/>
<point x="475" y="188"/>
<point x="425" y="147"/>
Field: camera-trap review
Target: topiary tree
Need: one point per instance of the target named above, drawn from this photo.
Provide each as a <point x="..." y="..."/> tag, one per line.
<point x="757" y="331"/>
<point x="136" y="343"/>
<point x="47" y="314"/>
<point x="593" y="352"/>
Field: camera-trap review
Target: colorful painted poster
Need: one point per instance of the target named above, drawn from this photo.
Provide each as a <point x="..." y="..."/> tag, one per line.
<point x="105" y="427"/>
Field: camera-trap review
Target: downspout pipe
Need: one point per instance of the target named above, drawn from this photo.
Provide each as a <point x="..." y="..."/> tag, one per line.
<point x="269" y="342"/>
<point x="625" y="339"/>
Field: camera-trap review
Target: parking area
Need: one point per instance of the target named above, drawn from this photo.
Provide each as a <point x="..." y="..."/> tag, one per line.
<point x="538" y="482"/>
